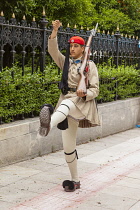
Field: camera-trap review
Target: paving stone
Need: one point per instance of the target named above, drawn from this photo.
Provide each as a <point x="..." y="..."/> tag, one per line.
<point x="106" y="201"/>
<point x="6" y="205"/>
<point x="86" y="206"/>
<point x="56" y="178"/>
<point x="36" y="164"/>
<point x="130" y="182"/>
<point x="136" y="206"/>
<point x="19" y="171"/>
<point x="135" y="174"/>
<point x="49" y="159"/>
<point x="6" y="179"/>
<point x="31" y="185"/>
<point x="112" y="139"/>
<point x="93" y="146"/>
<point x="83" y="152"/>
<point x="15" y="195"/>
<point x="122" y="191"/>
<point x="22" y="207"/>
<point x="111" y="153"/>
<point x="109" y="171"/>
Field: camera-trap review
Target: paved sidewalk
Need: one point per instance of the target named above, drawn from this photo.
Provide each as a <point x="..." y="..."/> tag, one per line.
<point x="109" y="170"/>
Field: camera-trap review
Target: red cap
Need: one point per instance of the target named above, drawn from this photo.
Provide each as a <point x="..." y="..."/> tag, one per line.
<point x="77" y="39"/>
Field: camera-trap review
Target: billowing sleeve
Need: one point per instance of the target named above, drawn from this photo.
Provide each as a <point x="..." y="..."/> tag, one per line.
<point x="56" y="55"/>
<point x="93" y="90"/>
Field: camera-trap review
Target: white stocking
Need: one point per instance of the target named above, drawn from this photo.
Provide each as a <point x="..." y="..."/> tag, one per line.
<point x="69" y="145"/>
<point x="67" y="107"/>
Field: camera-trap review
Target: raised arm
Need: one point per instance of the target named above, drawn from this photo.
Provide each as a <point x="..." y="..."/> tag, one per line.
<point x="53" y="49"/>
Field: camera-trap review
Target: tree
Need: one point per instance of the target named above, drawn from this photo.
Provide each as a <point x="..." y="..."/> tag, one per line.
<point x="19" y="8"/>
<point x="126" y="13"/>
<point x="108" y="13"/>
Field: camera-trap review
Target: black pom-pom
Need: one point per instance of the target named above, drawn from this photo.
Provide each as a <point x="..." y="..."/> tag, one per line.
<point x="69" y="184"/>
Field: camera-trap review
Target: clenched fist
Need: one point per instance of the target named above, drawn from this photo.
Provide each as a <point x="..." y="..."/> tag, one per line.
<point x="56" y="24"/>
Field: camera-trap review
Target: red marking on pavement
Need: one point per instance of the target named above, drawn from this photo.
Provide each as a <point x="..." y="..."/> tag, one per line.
<point x="91" y="183"/>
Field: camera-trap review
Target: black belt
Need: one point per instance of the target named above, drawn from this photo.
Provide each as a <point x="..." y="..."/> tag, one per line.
<point x="72" y="89"/>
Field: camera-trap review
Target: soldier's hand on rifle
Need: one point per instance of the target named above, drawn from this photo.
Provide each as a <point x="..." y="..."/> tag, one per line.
<point x="80" y="93"/>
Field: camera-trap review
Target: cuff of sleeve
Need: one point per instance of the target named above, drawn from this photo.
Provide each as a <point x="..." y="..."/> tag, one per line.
<point x="52" y="43"/>
<point x="55" y="38"/>
<point x="89" y="95"/>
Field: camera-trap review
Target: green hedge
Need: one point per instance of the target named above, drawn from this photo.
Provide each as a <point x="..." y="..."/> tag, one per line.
<point x="118" y="83"/>
<point x="26" y="94"/>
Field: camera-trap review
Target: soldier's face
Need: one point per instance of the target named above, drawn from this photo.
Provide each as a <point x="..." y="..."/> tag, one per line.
<point x="76" y="50"/>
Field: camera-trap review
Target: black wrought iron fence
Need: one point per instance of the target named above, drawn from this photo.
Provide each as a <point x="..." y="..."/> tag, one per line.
<point x="31" y="40"/>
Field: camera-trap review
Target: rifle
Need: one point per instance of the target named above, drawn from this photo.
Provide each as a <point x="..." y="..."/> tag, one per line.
<point x="83" y="82"/>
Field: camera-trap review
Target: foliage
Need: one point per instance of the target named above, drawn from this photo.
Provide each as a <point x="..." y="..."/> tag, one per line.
<point x="118" y="83"/>
<point x="126" y="13"/>
<point x="18" y="7"/>
<point x="24" y="95"/>
<point x="108" y="13"/>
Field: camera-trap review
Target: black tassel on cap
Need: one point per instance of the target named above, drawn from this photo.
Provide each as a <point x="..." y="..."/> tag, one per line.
<point x="63" y="85"/>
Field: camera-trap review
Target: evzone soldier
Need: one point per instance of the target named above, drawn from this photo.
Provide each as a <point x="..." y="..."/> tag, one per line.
<point x="75" y="108"/>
